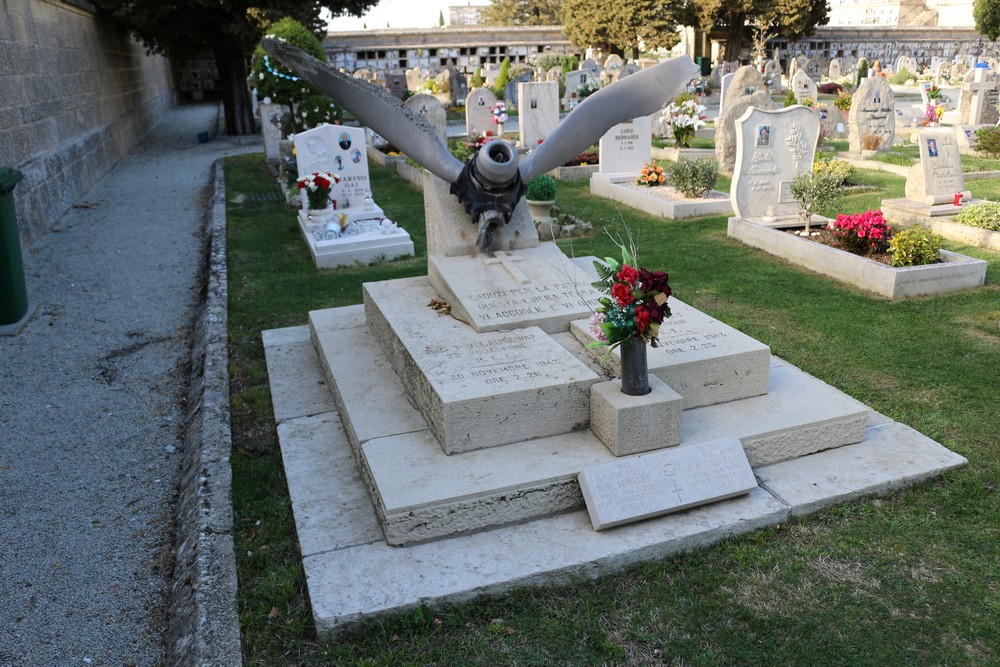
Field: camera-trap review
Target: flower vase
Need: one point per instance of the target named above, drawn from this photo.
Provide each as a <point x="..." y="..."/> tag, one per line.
<point x="322" y="215"/>
<point x="635" y="372"/>
<point x="499" y="129"/>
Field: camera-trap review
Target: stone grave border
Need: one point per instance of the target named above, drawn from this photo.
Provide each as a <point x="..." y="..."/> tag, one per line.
<point x="577" y="173"/>
<point x="674" y="209"/>
<point x="412" y="175"/>
<point x="898" y="214"/>
<point x="674" y="154"/>
<point x="381" y="159"/>
<point x="955" y="273"/>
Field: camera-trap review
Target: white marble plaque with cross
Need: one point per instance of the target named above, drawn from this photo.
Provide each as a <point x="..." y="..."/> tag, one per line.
<point x="669" y="480"/>
<point x="980" y="96"/>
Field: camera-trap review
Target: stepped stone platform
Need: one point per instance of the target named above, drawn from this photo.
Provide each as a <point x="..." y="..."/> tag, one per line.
<point x="397" y="506"/>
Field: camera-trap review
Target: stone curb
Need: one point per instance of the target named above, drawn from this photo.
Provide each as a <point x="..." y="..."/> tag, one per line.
<point x="204" y="624"/>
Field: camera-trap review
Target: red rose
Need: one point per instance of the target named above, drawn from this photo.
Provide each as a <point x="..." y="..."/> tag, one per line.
<point x="641" y="318"/>
<point x="627" y="274"/>
<point x="321" y="182"/>
<point x="622" y="294"/>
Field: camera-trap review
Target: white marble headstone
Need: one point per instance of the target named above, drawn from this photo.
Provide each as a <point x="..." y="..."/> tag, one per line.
<point x="341" y="151"/>
<point x="772" y="148"/>
<point x="538" y="112"/>
<point x="727" y="80"/>
<point x="980" y="96"/>
<point x="627" y="147"/>
<point x="835" y="71"/>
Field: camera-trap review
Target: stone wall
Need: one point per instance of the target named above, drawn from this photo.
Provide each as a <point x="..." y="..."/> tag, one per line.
<point x="76" y="94"/>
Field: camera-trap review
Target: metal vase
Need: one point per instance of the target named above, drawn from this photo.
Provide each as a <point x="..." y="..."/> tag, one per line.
<point x="635" y="372"/>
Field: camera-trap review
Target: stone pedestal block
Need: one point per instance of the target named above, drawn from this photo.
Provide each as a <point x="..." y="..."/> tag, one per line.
<point x="630" y="424"/>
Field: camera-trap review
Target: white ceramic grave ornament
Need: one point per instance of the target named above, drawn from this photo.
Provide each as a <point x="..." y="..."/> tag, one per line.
<point x="491" y="183"/>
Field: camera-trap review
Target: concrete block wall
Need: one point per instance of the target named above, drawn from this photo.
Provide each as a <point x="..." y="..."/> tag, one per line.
<point x="76" y="94"/>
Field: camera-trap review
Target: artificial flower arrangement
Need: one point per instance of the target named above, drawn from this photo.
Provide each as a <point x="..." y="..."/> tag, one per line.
<point x="499" y="111"/>
<point x="484" y="138"/>
<point x="934" y="112"/>
<point x="636" y="304"/>
<point x="651" y="175"/>
<point x="684" y="118"/>
<point x="317" y="186"/>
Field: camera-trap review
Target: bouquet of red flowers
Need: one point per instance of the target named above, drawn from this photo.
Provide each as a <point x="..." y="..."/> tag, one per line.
<point x="636" y="304"/>
<point x="317" y="186"/>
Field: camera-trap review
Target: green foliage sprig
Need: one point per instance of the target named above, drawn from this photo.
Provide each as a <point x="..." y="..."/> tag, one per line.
<point x="915" y="247"/>
<point x="541" y="188"/>
<point x="988" y="141"/>
<point x="693" y="178"/>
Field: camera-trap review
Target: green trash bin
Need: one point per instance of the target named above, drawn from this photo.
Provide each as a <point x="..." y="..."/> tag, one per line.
<point x="13" y="294"/>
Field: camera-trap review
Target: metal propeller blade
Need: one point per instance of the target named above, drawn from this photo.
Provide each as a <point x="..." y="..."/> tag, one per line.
<point x="375" y="107"/>
<point x="639" y="94"/>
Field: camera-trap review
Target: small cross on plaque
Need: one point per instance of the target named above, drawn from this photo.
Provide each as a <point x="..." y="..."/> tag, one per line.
<point x="509" y="262"/>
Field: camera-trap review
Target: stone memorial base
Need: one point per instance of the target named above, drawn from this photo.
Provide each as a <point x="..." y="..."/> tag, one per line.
<point x="954" y="273"/>
<point x="940" y="220"/>
<point x="429" y="462"/>
<point x="379" y="244"/>
<point x="655" y="200"/>
<point x="577" y="173"/>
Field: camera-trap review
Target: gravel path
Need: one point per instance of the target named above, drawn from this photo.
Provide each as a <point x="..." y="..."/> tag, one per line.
<point x="91" y="407"/>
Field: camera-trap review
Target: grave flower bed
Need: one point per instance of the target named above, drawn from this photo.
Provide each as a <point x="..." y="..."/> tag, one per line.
<point x="976" y="224"/>
<point x="872" y="270"/>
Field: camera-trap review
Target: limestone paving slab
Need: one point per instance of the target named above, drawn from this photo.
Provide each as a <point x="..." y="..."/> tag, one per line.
<point x="670" y="480"/>
<point x="367" y="581"/>
<point x="954" y="273"/>
<point x="618" y="188"/>
<point x="798" y="415"/>
<point x="363" y="384"/>
<point x="332" y="508"/>
<point x="892" y="456"/>
<point x="537" y="286"/>
<point x="699" y="357"/>
<point x="298" y="387"/>
<point x="476" y="390"/>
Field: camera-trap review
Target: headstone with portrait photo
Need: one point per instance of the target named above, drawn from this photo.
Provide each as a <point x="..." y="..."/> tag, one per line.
<point x="538" y="113"/>
<point x="478" y="114"/>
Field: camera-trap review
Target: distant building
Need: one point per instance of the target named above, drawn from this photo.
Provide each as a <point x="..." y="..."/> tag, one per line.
<point x="465" y="15"/>
<point x="466" y="48"/>
<point x="901" y="13"/>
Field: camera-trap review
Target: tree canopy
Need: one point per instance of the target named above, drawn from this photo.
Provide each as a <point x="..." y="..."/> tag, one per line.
<point x="523" y="12"/>
<point x="987" y="16"/>
<point x="791" y="19"/>
<point x="621" y="27"/>
<point x="229" y="28"/>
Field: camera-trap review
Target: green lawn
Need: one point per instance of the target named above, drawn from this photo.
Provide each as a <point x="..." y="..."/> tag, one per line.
<point x="908" y="579"/>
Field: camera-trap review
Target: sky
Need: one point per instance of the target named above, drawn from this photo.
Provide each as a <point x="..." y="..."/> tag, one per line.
<point x="401" y="14"/>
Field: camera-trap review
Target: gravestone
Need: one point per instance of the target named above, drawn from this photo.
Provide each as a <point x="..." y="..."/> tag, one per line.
<point x="772" y="71"/>
<point x="966" y="135"/>
<point x="812" y="68"/>
<point x="630" y="68"/>
<point x="458" y="84"/>
<point x="730" y="67"/>
<point x="993" y="63"/>
<point x="980" y="96"/>
<point x="942" y="73"/>
<point x="364" y="74"/>
<point x="574" y="80"/>
<point x="831" y="121"/>
<point x="395" y="82"/>
<point x="510" y="90"/>
<point x="590" y="65"/>
<point x="490" y="75"/>
<point x="938" y="177"/>
<point x="442" y="88"/>
<point x="872" y="113"/>
<point x="804" y="87"/>
<point x="725" y="126"/>
<point x="835" y="71"/>
<point x="669" y="480"/>
<point x="432" y="111"/>
<point x="909" y="63"/>
<point x="727" y="81"/>
<point x="272" y="122"/>
<point x="340" y="150"/>
<point x="772" y="148"/>
<point x="793" y="67"/>
<point x="626" y="148"/>
<point x="415" y="80"/>
<point x="745" y="80"/>
<point x="612" y="68"/>
<point x="553" y="73"/>
<point x="538" y="114"/>
<point x="478" y="117"/>
<point x="847" y="64"/>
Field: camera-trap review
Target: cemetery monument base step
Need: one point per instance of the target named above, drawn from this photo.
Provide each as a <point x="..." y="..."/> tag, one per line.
<point x="353" y="574"/>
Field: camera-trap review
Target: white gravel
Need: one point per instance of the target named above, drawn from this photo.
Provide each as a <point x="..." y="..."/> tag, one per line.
<point x="91" y="409"/>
